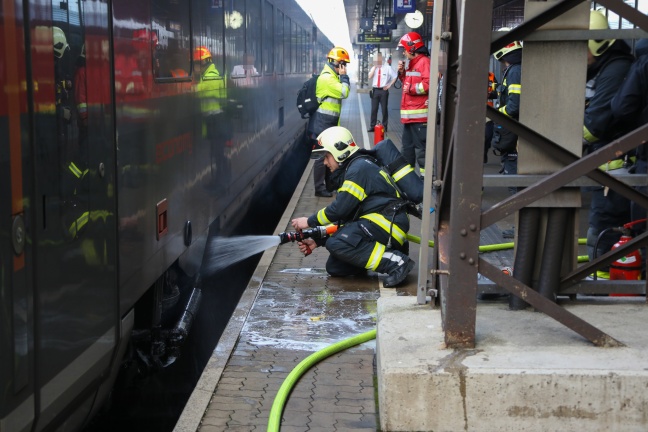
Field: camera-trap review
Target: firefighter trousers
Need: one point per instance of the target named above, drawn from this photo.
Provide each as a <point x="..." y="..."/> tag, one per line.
<point x="360" y="245"/>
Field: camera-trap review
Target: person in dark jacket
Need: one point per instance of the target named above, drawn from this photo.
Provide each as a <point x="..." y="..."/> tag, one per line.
<point x="373" y="224"/>
<point x="608" y="62"/>
<point x="630" y="109"/>
<point x="332" y="87"/>
<point x="504" y="142"/>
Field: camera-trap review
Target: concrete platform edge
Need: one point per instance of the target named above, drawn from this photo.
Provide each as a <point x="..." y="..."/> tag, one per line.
<point x="547" y="380"/>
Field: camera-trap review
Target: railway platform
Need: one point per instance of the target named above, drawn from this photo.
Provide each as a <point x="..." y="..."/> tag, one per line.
<point x="527" y="371"/>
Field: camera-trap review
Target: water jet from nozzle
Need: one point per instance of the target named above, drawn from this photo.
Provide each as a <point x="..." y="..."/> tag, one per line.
<point x="222" y="252"/>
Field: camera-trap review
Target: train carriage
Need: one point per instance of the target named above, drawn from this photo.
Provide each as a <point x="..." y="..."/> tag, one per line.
<point x="117" y="158"/>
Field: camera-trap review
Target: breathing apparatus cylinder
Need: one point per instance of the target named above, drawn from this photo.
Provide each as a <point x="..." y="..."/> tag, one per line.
<point x="379" y="132"/>
<point x="629" y="266"/>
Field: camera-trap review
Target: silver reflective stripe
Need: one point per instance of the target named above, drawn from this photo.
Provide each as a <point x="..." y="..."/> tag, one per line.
<point x="413" y="73"/>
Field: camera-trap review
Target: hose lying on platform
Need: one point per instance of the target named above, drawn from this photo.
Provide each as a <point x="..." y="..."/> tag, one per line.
<point x="496" y="246"/>
<point x="274" y="420"/>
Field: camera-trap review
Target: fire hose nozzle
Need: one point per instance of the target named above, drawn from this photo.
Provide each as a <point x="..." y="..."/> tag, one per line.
<point x="318" y="232"/>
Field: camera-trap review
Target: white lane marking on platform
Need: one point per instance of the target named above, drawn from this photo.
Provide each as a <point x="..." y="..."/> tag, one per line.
<point x="365" y="135"/>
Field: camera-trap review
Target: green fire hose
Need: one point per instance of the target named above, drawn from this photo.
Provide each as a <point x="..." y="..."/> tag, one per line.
<point x="282" y="395"/>
<point x="274" y="421"/>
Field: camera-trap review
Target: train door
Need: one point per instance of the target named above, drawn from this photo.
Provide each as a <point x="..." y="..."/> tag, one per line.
<point x="75" y="301"/>
<point x="16" y="312"/>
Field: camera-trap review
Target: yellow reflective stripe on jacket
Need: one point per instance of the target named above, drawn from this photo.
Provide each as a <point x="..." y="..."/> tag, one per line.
<point x="615" y="164"/>
<point x="402" y="172"/>
<point x="420" y="90"/>
<point x="354" y="189"/>
<point x="78" y="224"/>
<point x="588" y="136"/>
<point x="389" y="181"/>
<point x="85" y="217"/>
<point x="375" y="257"/>
<point x="76" y="171"/>
<point x="414" y="114"/>
<point x="380" y="220"/>
<point x="322" y="219"/>
<point x="515" y="89"/>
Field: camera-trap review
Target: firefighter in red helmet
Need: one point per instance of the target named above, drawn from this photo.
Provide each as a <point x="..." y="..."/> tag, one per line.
<point x="414" y="103"/>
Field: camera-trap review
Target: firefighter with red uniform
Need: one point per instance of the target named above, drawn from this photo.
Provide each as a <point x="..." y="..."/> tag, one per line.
<point x="414" y="103"/>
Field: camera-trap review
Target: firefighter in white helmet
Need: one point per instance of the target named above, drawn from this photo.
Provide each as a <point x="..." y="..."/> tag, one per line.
<point x="374" y="225"/>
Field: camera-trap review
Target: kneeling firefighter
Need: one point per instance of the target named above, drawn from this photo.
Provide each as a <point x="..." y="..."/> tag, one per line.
<point x="369" y="209"/>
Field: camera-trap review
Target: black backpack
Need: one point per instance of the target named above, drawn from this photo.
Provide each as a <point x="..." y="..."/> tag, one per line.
<point x="307" y="102"/>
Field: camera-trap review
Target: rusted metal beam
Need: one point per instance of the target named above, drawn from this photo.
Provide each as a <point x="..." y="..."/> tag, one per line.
<point x="605" y="259"/>
<point x="458" y="237"/>
<point x="560" y="314"/>
<point x="586" y="165"/>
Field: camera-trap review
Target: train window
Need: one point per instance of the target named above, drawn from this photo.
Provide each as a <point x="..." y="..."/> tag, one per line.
<point x="268" y="34"/>
<point x="294" y="41"/>
<point x="305" y="51"/>
<point x="279" y="41"/>
<point x="287" y="44"/>
<point x="251" y="64"/>
<point x="171" y="28"/>
<point x="207" y="26"/>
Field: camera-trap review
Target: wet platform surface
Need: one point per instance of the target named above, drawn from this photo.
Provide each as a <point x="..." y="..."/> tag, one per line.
<point x="292" y="309"/>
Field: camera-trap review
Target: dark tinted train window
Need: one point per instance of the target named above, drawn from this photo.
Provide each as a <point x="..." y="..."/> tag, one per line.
<point x="252" y="61"/>
<point x="279" y="42"/>
<point x="171" y="39"/>
<point x="294" y="41"/>
<point x="287" y="44"/>
<point x="268" y="34"/>
<point x="207" y="27"/>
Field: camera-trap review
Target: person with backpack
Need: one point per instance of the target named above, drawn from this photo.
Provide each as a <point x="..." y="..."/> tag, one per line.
<point x="608" y="62"/>
<point x="369" y="209"/>
<point x="332" y="87"/>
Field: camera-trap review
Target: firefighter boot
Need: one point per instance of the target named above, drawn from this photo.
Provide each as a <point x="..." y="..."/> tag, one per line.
<point x="397" y="275"/>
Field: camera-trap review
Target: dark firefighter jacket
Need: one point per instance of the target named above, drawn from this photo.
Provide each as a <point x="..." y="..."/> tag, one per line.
<point x="604" y="78"/>
<point x="509" y="96"/>
<point x="331" y="89"/>
<point x="630" y="105"/>
<point x="364" y="192"/>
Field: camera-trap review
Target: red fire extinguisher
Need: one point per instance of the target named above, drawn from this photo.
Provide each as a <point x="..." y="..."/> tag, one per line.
<point x="379" y="132"/>
<point x="629" y="266"/>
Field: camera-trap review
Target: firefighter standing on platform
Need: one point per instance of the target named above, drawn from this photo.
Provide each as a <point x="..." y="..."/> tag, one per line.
<point x="608" y="62"/>
<point x="414" y="102"/>
<point x="332" y="87"/>
<point x="504" y="141"/>
<point x="373" y="235"/>
<point x="211" y="92"/>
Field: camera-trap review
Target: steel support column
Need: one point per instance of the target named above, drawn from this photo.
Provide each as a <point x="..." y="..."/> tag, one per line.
<point x="459" y="224"/>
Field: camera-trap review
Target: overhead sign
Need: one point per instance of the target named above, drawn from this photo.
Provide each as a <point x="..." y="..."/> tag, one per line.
<point x="390" y="22"/>
<point x="366" y="23"/>
<point x="404" y="6"/>
<point x="372" y="38"/>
